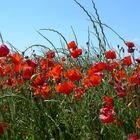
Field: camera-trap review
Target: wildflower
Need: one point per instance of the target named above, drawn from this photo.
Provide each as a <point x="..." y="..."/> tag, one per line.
<point x="117" y="122"/>
<point x="1" y="71"/>
<point x="72" y="45"/>
<point x="92" y="70"/>
<point x="121" y="92"/>
<point x="100" y="66"/>
<point x="138" y="60"/>
<point x="86" y="83"/>
<point x="119" y="75"/>
<point x="10" y="82"/>
<point x="79" y="92"/>
<point x="37" y="80"/>
<point x="27" y="72"/>
<point x="112" y="66"/>
<point x="138" y="123"/>
<point x="20" y="81"/>
<point x="97" y="67"/>
<point x="133" y="136"/>
<point x="111" y="83"/>
<point x="91" y="81"/>
<point x="109" y="101"/>
<point x="4" y="51"/>
<point x="17" y="68"/>
<point x="31" y="63"/>
<point x="3" y="127"/>
<point x="42" y="91"/>
<point x="75" y="53"/>
<point x="111" y="55"/>
<point x="63" y="59"/>
<point x="127" y="60"/>
<point x="16" y="58"/>
<point x="95" y="80"/>
<point x="46" y="63"/>
<point x="134" y="78"/>
<point x="56" y="71"/>
<point x="106" y="115"/>
<point x="73" y="75"/>
<point x="130" y="44"/>
<point x="65" y="87"/>
<point x="50" y="54"/>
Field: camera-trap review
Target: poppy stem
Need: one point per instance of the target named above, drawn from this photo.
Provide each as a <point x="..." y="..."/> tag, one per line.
<point x="133" y="56"/>
<point x="1" y="38"/>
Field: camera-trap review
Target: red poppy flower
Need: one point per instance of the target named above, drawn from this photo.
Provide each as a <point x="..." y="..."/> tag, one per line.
<point x="42" y="91"/>
<point x="92" y="70"/>
<point x="127" y="60"/>
<point x="76" y="53"/>
<point x="79" y="92"/>
<point x="46" y="63"/>
<point x="109" y="100"/>
<point x="63" y="59"/>
<point x="16" y="58"/>
<point x="37" y="80"/>
<point x="138" y="60"/>
<point x="56" y="71"/>
<point x="72" y="45"/>
<point x="134" y="78"/>
<point x="4" y="51"/>
<point x="130" y="44"/>
<point x="106" y="118"/>
<point x="100" y="66"/>
<point x="65" y="88"/>
<point x="3" y="127"/>
<point x="133" y="137"/>
<point x="86" y="83"/>
<point x="112" y="66"/>
<point x="31" y="63"/>
<point x="121" y="92"/>
<point x="50" y="54"/>
<point x="117" y="122"/>
<point x="1" y="71"/>
<point x="107" y="114"/>
<point x="10" y="82"/>
<point x="111" y="55"/>
<point x="20" y="81"/>
<point x="119" y="74"/>
<point x="95" y="80"/>
<point x="73" y="75"/>
<point x="16" y="68"/>
<point x="27" y="72"/>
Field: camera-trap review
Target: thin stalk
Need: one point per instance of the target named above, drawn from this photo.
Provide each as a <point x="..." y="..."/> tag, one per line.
<point x="52" y="30"/>
<point x="74" y="35"/>
<point x="50" y="43"/>
<point x="94" y="26"/>
<point x="1" y="39"/>
<point x="100" y="25"/>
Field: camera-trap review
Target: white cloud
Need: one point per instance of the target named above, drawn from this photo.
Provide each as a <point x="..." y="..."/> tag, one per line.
<point x="136" y="39"/>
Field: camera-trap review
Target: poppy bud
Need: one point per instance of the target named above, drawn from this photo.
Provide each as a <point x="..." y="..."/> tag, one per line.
<point x="129" y="44"/>
<point x="4" y="51"/>
<point x="138" y="60"/>
<point x="130" y="50"/>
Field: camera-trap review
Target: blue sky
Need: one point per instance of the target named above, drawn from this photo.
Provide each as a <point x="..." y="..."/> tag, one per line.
<point x="19" y="20"/>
